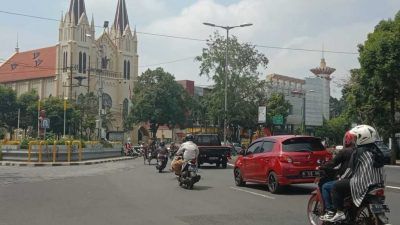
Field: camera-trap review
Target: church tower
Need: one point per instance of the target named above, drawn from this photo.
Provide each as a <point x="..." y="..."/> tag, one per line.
<point x="76" y="45"/>
<point x="126" y="42"/>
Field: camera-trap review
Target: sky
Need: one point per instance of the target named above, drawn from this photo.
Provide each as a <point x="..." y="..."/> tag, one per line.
<point x="333" y="25"/>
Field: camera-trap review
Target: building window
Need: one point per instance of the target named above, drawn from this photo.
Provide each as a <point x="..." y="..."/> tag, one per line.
<point x="125" y="109"/>
<point x="128" y="70"/>
<point x="124" y="69"/>
<point x="84" y="62"/>
<point x="107" y="101"/>
<point x="80" y="63"/>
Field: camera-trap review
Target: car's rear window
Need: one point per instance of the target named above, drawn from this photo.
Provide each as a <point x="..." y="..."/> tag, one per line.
<point x="382" y="146"/>
<point x="302" y="144"/>
<point x="207" y="140"/>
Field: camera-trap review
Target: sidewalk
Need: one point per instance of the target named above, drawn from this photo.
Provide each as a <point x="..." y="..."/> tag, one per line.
<point x="75" y="163"/>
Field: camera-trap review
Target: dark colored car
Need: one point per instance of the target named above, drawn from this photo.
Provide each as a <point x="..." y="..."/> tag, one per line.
<point x="387" y="153"/>
<point x="211" y="151"/>
<point x="281" y="160"/>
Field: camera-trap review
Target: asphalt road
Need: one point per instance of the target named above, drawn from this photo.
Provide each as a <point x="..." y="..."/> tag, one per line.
<point x="129" y="192"/>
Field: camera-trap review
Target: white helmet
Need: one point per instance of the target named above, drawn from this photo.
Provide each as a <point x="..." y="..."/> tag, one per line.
<point x="365" y="134"/>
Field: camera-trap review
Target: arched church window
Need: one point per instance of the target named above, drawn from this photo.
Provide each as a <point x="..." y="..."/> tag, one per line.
<point x="125" y="109"/>
<point x="80" y="63"/>
<point x="128" y="75"/>
<point x="84" y="62"/>
<point x="124" y="69"/>
<point x="107" y="101"/>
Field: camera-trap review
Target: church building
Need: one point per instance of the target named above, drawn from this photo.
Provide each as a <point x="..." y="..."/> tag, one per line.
<point x="106" y="65"/>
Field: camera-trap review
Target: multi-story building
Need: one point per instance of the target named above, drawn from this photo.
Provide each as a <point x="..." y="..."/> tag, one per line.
<point x="309" y="97"/>
<point x="81" y="63"/>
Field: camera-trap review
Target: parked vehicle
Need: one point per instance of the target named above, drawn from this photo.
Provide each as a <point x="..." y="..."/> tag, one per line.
<point x="387" y="153"/>
<point x="371" y="211"/>
<point x="189" y="176"/>
<point x="211" y="151"/>
<point x="280" y="160"/>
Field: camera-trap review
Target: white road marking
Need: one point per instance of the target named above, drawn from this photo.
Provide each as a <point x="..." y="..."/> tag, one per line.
<point x="231" y="165"/>
<point x="393" y="166"/>
<point x="393" y="187"/>
<point x="253" y="193"/>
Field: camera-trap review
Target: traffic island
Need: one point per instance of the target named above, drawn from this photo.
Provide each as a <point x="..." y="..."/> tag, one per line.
<point x="80" y="163"/>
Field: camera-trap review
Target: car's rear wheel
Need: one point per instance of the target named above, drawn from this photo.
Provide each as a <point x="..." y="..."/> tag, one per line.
<point x="238" y="178"/>
<point x="273" y="183"/>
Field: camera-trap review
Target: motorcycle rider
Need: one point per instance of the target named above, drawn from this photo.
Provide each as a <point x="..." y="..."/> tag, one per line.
<point x="189" y="149"/>
<point x="162" y="151"/>
<point x="365" y="169"/>
<point x="128" y="147"/>
<point x="342" y="158"/>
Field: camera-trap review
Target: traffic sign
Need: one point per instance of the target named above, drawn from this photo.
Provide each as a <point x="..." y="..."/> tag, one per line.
<point x="277" y="120"/>
<point x="46" y="123"/>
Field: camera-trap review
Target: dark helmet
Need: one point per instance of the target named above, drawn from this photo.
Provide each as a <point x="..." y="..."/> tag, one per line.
<point x="189" y="137"/>
<point x="162" y="144"/>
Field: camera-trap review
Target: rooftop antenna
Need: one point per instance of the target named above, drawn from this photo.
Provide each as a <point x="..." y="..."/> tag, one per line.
<point x="17" y="48"/>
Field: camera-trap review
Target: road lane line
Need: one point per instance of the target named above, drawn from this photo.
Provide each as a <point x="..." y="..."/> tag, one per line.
<point x="253" y="193"/>
<point x="393" y="187"/>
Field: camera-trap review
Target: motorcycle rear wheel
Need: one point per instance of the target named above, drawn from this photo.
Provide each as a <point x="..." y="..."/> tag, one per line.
<point x="366" y="217"/>
<point x="314" y="210"/>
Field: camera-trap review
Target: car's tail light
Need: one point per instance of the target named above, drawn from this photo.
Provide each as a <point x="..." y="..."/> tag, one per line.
<point x="285" y="159"/>
<point x="228" y="155"/>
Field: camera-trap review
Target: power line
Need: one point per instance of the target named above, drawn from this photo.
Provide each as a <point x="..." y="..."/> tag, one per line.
<point x="169" y="62"/>
<point x="186" y="38"/>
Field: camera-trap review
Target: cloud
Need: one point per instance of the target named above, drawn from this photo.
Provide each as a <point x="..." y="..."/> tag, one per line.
<point x="340" y="25"/>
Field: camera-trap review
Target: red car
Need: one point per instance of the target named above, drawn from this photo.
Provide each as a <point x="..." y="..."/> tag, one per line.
<point x="281" y="160"/>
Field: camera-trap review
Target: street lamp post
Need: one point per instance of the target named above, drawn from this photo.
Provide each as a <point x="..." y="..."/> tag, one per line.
<point x="65" y="113"/>
<point x="227" y="28"/>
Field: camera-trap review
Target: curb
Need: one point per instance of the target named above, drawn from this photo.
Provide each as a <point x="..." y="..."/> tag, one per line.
<point x="48" y="164"/>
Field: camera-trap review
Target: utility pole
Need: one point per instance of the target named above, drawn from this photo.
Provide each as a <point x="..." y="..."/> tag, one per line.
<point x="227" y="28"/>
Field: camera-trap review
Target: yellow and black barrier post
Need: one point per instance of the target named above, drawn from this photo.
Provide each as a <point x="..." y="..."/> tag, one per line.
<point x="79" y="143"/>
<point x="30" y="149"/>
<point x="54" y="151"/>
<point x="68" y="144"/>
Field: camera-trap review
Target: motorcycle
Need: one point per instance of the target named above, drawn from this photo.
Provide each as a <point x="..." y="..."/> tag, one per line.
<point x="371" y="211"/>
<point x="162" y="162"/>
<point x="189" y="176"/>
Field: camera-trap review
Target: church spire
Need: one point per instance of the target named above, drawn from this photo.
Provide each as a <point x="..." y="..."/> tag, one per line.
<point x="76" y="9"/>
<point x="121" y="17"/>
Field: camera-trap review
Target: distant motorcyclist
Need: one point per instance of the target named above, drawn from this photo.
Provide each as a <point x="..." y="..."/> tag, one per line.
<point x="365" y="170"/>
<point x="162" y="156"/>
<point x="162" y="150"/>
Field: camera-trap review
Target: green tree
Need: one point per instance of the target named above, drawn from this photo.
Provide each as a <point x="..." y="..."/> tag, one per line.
<point x="88" y="107"/>
<point x="373" y="89"/>
<point x="8" y="108"/>
<point x="27" y="103"/>
<point x="277" y="105"/>
<point x="157" y="96"/>
<point x="244" y="87"/>
<point x="334" y="129"/>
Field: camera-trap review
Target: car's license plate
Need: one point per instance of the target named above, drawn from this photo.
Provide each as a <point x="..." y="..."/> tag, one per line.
<point x="213" y="158"/>
<point x="378" y="208"/>
<point x="313" y="173"/>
